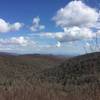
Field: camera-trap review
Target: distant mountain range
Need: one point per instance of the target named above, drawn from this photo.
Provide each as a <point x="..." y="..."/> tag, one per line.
<point x="77" y="70"/>
<point x="84" y="69"/>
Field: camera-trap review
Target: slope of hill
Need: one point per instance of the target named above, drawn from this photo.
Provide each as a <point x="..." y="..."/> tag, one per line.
<point x="55" y="69"/>
<point x="27" y="77"/>
<point x="77" y="70"/>
<point x="24" y="67"/>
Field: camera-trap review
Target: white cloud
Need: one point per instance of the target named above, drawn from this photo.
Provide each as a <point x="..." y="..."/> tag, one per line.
<point x="79" y="33"/>
<point x="7" y="27"/>
<point x="36" y="25"/>
<point x="58" y="44"/>
<point x="72" y="34"/>
<point x="16" y="26"/>
<point x="78" y="22"/>
<point x="76" y="13"/>
<point x="21" y="41"/>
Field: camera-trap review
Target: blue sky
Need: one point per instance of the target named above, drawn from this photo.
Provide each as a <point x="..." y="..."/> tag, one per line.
<point x="49" y="26"/>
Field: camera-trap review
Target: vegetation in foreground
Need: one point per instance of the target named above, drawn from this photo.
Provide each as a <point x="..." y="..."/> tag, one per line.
<point x="36" y="77"/>
<point x="46" y="91"/>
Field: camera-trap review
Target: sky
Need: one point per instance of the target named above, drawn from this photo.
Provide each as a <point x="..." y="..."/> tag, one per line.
<point x="49" y="26"/>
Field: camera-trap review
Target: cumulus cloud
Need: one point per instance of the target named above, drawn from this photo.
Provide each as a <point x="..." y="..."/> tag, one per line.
<point x="77" y="33"/>
<point x="58" y="44"/>
<point x="78" y="22"/>
<point x="36" y="25"/>
<point x="76" y="13"/>
<point x="72" y="34"/>
<point x="16" y="26"/>
<point x="7" y="27"/>
<point x="21" y="41"/>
